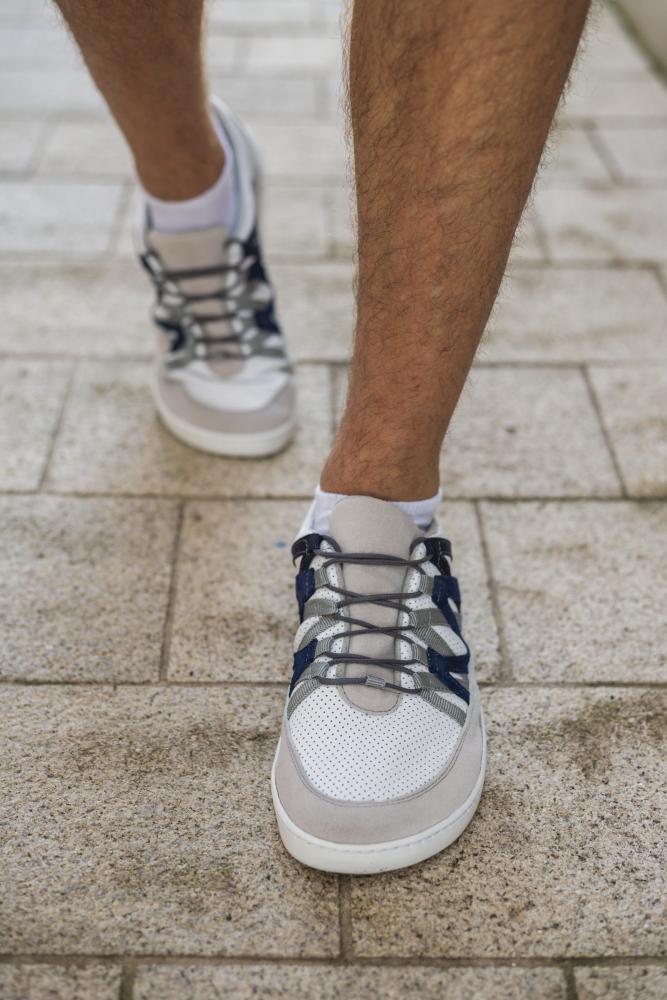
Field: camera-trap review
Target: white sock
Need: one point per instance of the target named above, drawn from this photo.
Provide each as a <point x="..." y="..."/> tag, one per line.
<point x="422" y="512"/>
<point x="214" y="207"/>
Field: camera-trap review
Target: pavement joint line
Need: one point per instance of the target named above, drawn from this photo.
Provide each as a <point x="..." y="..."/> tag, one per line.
<point x="506" y="671"/>
<point x="604" y="430"/>
<point x="361" y="961"/>
<point x="494" y="684"/>
<point x="553" y="498"/>
<point x="604" y="155"/>
<point x="570" y="982"/>
<point x="55" y="432"/>
<point x="127" y="977"/>
<point x="118" y="224"/>
<point x="167" y="628"/>
<point x="345" y="919"/>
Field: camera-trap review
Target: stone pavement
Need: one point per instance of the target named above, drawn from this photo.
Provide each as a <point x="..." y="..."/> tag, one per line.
<point x="139" y="853"/>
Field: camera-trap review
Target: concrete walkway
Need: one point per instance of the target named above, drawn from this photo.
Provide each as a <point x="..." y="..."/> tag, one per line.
<point x="143" y="679"/>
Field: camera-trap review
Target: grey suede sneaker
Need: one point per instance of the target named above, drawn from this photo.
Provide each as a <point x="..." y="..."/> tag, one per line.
<point x="381" y="758"/>
<point x="223" y="382"/>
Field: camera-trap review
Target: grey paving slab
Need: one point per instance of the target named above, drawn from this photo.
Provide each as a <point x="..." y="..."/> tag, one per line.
<point x="581" y="588"/>
<point x="316" y="305"/>
<point x="279" y="96"/>
<point x="20" y="142"/>
<point x="31" y="399"/>
<point x="622" y="982"/>
<point x="40" y="90"/>
<point x="83" y="587"/>
<point x="639" y="155"/>
<point x="33" y="981"/>
<point x="221" y="52"/>
<point x="93" y="310"/>
<point x="85" y="148"/>
<point x="593" y="98"/>
<point x="217" y="613"/>
<point x="526" y="432"/>
<point x="607" y="51"/>
<point x="572" y="314"/>
<point x="302" y="151"/>
<point x="229" y="625"/>
<point x="604" y="225"/>
<point x="571" y="159"/>
<point x="633" y="407"/>
<point x="260" y="15"/>
<point x="329" y="982"/>
<point x="294" y="222"/>
<point x="291" y="53"/>
<point x="67" y="219"/>
<point x="527" y="246"/>
<point x="111" y="441"/>
<point x="565" y="855"/>
<point x="139" y="820"/>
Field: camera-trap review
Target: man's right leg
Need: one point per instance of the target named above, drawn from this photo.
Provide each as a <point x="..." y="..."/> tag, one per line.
<point x="223" y="383"/>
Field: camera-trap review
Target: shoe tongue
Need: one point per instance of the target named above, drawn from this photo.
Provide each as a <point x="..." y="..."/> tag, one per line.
<point x="197" y="248"/>
<point x="363" y="524"/>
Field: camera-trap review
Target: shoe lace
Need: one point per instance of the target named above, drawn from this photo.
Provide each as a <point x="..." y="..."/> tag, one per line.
<point x="245" y="299"/>
<point x="396" y="600"/>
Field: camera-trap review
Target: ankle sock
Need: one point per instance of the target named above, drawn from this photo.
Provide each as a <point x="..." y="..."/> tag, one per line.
<point x="213" y="207"/>
<point x="422" y="512"/>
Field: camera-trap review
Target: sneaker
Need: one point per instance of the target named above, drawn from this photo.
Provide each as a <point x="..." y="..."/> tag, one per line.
<point x="223" y="382"/>
<point x="382" y="754"/>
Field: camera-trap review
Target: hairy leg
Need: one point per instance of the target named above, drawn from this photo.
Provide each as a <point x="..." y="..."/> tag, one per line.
<point x="451" y="104"/>
<point x="145" y="57"/>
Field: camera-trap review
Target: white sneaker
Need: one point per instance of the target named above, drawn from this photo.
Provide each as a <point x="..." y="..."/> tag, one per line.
<point x="223" y="382"/>
<point x="381" y="759"/>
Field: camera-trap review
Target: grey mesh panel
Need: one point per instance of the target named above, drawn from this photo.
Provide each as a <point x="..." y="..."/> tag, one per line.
<point x="444" y="705"/>
<point x="321" y="625"/>
<point x="318" y="606"/>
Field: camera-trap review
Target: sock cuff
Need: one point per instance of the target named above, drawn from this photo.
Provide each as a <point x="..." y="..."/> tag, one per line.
<point x="422" y="512"/>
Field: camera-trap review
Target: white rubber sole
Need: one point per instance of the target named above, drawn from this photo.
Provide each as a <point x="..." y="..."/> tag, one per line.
<point x="256" y="445"/>
<point x="371" y="859"/>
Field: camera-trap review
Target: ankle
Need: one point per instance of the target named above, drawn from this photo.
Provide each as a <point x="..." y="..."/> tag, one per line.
<point x="178" y="168"/>
<point x="396" y="478"/>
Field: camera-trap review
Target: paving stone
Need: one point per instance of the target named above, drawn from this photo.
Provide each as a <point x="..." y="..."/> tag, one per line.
<point x="331" y="982"/>
<point x="31" y="400"/>
<point x="219" y="612"/>
<point x="282" y="97"/>
<point x="311" y="54"/>
<point x="94" y="148"/>
<point x="552" y="314"/>
<point x="32" y="981"/>
<point x="308" y="151"/>
<point x="639" y="155"/>
<point x="111" y="441"/>
<point x="571" y="159"/>
<point x="565" y="856"/>
<point x="294" y="222"/>
<point x="76" y="309"/>
<point x="530" y="432"/>
<point x="621" y="982"/>
<point x="606" y="225"/>
<point x="139" y="819"/>
<point x="527" y="246"/>
<point x="317" y="310"/>
<point x="632" y="401"/>
<point x="83" y="587"/>
<point x="341" y="220"/>
<point x="37" y="45"/>
<point x="608" y="52"/>
<point x="593" y="98"/>
<point x="562" y="573"/>
<point x="240" y="15"/>
<point x="63" y="218"/>
<point x="41" y="90"/>
<point x="20" y="141"/>
<point x="221" y="52"/>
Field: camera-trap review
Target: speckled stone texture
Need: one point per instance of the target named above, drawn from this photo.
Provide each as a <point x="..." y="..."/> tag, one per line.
<point x="146" y="593"/>
<point x="326" y="982"/>
<point x="140" y="820"/>
<point x="565" y="856"/>
<point x="582" y="589"/>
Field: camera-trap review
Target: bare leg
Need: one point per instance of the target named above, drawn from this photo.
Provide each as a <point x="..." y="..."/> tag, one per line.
<point x="451" y="104"/>
<point x="145" y="57"/>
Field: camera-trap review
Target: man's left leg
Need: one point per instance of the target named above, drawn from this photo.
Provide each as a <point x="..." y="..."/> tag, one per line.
<point x="381" y="758"/>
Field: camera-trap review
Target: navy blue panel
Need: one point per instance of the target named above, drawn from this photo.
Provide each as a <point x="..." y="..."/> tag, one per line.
<point x="442" y="666"/>
<point x="305" y="588"/>
<point x="305" y="546"/>
<point x="445" y="587"/>
<point x="266" y="319"/>
<point x="303" y="659"/>
<point x="439" y="551"/>
<point x="176" y="336"/>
